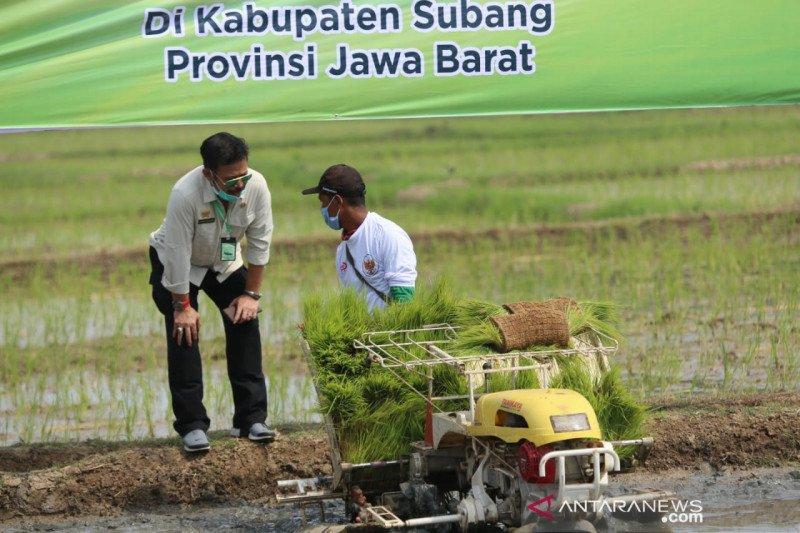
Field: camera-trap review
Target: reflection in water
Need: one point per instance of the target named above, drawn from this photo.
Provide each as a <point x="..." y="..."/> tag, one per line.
<point x="80" y="404"/>
<point x="74" y="320"/>
<point x="766" y="499"/>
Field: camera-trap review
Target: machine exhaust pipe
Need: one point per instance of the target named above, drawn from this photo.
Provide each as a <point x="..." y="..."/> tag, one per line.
<point x="431" y="520"/>
<point x="347" y="467"/>
<point x="646" y="442"/>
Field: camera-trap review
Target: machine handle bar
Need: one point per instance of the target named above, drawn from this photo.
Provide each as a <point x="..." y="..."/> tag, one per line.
<point x="606" y="450"/>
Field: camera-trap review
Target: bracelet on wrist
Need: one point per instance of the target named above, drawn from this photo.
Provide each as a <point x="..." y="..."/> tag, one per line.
<point x="253" y="294"/>
<point x="180" y="305"/>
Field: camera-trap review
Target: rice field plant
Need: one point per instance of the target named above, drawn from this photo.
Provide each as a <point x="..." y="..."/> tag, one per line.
<point x="81" y="404"/>
<point x="706" y="306"/>
<point x="93" y="191"/>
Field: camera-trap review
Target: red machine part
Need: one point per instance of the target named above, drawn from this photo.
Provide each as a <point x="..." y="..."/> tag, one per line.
<point x="529" y="458"/>
<point x="429" y="424"/>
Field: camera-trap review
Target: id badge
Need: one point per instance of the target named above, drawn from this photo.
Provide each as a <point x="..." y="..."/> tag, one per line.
<point x="227" y="249"/>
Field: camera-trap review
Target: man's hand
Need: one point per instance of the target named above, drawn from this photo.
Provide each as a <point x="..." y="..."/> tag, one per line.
<point x="245" y="308"/>
<point x="187" y="326"/>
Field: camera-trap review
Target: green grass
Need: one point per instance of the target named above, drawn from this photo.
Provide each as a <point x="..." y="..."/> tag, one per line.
<point x="99" y="190"/>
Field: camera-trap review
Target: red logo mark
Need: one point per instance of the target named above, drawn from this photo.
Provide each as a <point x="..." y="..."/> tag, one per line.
<point x="545" y="513"/>
<point x="511" y="404"/>
<point x="369" y="265"/>
<point x="343" y="266"/>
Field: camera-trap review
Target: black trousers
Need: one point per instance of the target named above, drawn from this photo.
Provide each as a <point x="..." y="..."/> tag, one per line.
<point x="242" y="350"/>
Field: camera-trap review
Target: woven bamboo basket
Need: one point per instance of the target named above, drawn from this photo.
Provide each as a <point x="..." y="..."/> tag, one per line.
<point x="538" y="326"/>
<point x="559" y="304"/>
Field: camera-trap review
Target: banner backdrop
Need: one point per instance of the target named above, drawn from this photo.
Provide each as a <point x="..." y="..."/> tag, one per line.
<point x="100" y="62"/>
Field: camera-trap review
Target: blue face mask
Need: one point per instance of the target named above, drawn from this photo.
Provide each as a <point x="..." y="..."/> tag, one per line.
<point x="222" y="195"/>
<point x="331" y="221"/>
<point x="225" y="196"/>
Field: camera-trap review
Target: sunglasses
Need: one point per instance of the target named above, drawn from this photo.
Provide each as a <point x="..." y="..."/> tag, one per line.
<point x="234" y="181"/>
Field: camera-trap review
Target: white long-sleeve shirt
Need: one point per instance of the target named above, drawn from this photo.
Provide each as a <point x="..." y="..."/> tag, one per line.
<point x="188" y="241"/>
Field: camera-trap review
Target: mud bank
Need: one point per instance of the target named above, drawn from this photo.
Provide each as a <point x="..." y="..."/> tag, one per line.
<point x="104" y="480"/>
<point x="42" y="483"/>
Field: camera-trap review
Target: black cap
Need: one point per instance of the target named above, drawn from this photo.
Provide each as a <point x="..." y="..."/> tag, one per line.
<point x="340" y="179"/>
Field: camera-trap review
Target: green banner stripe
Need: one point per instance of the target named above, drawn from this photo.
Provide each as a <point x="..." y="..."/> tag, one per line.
<point x="78" y="63"/>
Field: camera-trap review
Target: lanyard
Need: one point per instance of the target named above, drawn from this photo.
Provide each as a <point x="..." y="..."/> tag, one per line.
<point x="220" y="211"/>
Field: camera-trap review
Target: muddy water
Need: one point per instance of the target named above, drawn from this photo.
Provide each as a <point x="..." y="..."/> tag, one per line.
<point x="754" y="500"/>
<point x="248" y="517"/>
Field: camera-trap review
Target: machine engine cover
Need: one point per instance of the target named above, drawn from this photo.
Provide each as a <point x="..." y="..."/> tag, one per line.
<point x="534" y="415"/>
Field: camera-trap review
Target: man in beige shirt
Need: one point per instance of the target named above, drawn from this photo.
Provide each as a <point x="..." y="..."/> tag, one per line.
<point x="198" y="247"/>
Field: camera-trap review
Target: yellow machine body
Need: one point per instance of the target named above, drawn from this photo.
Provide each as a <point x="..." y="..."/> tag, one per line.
<point x="500" y="415"/>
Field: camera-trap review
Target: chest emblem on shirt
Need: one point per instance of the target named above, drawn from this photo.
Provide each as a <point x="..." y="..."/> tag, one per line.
<point x="206" y="217"/>
<point x="343" y="266"/>
<point x="370" y="267"/>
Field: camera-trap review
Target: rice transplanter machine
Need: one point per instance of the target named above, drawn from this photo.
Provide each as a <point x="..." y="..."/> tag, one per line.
<point x="527" y="458"/>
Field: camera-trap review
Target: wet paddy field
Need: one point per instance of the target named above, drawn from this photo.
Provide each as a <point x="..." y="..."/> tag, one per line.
<point x="658" y="214"/>
<point x="708" y="305"/>
<point x="737" y="456"/>
<point x="749" y="500"/>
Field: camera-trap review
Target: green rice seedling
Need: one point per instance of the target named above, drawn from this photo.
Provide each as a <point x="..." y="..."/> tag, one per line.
<point x="379" y="387"/>
<point x="602" y="317"/>
<point x="448" y="382"/>
<point x="386" y="433"/>
<point x="361" y="399"/>
<point x="500" y="381"/>
<point x="340" y="361"/>
<point x="342" y="399"/>
<point x="331" y="323"/>
<point x="619" y="414"/>
<point x="432" y="304"/>
<point x="603" y="311"/>
<point x="332" y="314"/>
<point x="527" y="379"/>
<point x="471" y="312"/>
<point x="481" y="335"/>
<point x="573" y="374"/>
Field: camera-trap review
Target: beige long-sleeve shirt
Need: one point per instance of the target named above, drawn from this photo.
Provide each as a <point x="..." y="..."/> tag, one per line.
<point x="188" y="241"/>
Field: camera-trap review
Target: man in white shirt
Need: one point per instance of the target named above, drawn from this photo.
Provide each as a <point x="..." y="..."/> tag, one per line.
<point x="197" y="247"/>
<point x="376" y="256"/>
